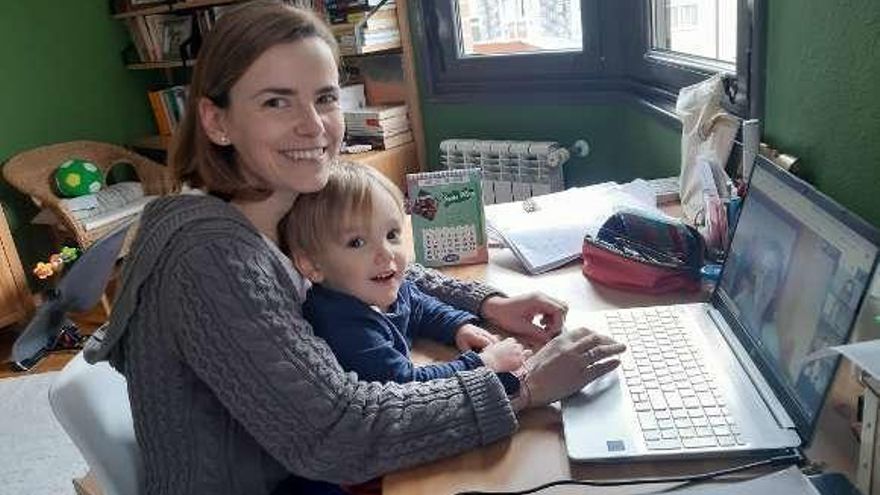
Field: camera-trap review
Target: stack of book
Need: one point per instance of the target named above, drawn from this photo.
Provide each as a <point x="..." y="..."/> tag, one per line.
<point x="382" y="127"/>
<point x="168" y="106"/>
<point x="361" y="27"/>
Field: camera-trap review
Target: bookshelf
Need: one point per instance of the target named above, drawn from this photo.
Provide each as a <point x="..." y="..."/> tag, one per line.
<point x="165" y="8"/>
<point x="394" y="162"/>
<point x="16" y="303"/>
<point x="166" y="64"/>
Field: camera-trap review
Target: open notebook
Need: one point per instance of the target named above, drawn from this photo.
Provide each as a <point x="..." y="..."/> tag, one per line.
<point x="548" y="231"/>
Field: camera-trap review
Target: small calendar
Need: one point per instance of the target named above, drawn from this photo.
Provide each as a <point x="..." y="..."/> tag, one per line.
<point x="449" y="226"/>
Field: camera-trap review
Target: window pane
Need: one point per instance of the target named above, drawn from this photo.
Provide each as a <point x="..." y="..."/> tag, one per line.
<point x="705" y="28"/>
<point x="503" y="27"/>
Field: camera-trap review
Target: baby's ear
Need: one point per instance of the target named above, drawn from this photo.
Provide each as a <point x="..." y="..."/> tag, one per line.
<point x="307" y="267"/>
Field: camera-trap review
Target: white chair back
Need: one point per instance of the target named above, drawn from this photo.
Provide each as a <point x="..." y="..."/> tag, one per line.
<point x="91" y="403"/>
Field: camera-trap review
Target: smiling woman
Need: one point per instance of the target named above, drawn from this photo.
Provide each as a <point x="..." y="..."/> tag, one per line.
<point x="231" y="391"/>
<point x="274" y="115"/>
<point x="285" y="123"/>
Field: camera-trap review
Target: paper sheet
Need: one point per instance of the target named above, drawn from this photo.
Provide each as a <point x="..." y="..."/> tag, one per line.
<point x="866" y="355"/>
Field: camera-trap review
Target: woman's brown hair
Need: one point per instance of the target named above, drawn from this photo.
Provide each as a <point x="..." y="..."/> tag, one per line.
<point x="235" y="42"/>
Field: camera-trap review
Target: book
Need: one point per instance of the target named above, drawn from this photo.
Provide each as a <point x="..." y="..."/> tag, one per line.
<point x="368" y="131"/>
<point x="176" y="30"/>
<point x="375" y="112"/>
<point x="376" y="127"/>
<point x="353" y="117"/>
<point x="376" y="22"/>
<point x="448" y="221"/>
<point x="168" y="106"/>
<point x="386" y="15"/>
<point x="382" y="142"/>
<point x="137" y="30"/>
<point x="163" y="122"/>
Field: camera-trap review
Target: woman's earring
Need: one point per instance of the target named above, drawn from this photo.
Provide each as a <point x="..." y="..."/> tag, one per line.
<point x="223" y="139"/>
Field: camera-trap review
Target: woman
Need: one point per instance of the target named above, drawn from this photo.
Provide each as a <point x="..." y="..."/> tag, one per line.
<point x="230" y="390"/>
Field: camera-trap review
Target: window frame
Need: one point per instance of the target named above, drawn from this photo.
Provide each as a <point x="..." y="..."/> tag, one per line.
<point x="617" y="60"/>
<point x="449" y="78"/>
<point x="658" y="75"/>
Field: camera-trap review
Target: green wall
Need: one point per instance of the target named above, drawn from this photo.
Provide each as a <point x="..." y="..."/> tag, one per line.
<point x="823" y="95"/>
<point x="823" y="71"/>
<point x="62" y="78"/>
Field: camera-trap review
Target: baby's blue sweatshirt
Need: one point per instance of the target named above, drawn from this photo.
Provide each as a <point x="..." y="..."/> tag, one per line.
<point x="376" y="345"/>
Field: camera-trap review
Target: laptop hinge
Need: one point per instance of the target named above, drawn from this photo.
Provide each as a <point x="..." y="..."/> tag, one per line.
<point x="764" y="390"/>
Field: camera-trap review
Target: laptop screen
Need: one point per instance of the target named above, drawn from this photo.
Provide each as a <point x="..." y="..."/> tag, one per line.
<point x="795" y="274"/>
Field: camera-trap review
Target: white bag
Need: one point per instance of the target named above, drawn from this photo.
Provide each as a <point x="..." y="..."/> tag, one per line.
<point x="707" y="133"/>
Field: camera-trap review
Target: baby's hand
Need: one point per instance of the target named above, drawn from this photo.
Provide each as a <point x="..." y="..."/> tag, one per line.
<point x="507" y="355"/>
<point x="471" y="337"/>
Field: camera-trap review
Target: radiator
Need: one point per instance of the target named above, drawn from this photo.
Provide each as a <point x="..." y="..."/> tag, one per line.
<point x="512" y="170"/>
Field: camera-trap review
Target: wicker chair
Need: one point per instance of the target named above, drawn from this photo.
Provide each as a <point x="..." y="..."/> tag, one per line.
<point x="31" y="172"/>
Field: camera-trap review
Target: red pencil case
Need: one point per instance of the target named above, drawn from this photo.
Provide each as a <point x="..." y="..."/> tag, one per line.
<point x="644" y="254"/>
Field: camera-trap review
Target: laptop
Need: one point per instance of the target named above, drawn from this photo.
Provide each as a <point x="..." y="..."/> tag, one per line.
<point x="736" y="375"/>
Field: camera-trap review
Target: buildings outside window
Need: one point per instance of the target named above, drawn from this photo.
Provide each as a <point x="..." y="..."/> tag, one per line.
<point x="499" y="27"/>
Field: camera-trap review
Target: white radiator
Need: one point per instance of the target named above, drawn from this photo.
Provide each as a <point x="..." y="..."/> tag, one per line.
<point x="512" y="170"/>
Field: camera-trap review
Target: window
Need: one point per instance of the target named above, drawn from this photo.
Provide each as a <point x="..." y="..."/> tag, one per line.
<point x="684" y="41"/>
<point x="506" y="49"/>
<point x="702" y="28"/>
<point x="502" y="27"/>
<point x="552" y="50"/>
<point x="683" y="18"/>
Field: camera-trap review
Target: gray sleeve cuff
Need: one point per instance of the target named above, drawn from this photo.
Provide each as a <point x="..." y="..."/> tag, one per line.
<point x="495" y="416"/>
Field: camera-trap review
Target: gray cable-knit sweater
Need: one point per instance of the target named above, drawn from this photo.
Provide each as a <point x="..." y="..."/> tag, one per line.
<point x="230" y="390"/>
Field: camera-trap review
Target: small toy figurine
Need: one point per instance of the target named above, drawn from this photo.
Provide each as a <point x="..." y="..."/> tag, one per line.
<point x="43" y="270"/>
<point x="55" y="265"/>
<point x="56" y="262"/>
<point x="69" y="254"/>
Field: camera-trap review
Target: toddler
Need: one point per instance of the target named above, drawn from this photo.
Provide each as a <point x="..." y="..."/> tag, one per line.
<point x="346" y="239"/>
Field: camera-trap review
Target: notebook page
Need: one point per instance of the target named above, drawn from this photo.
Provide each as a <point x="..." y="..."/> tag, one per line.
<point x="552" y="235"/>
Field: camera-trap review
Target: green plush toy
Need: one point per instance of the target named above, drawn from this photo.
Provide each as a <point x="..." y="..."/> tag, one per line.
<point x="78" y="177"/>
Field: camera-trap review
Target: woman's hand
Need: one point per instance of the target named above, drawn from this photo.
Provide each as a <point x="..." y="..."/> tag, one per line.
<point x="471" y="337"/>
<point x="516" y="315"/>
<point x="565" y="365"/>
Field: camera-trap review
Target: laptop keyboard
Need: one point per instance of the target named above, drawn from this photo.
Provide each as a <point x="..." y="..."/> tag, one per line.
<point x="678" y="404"/>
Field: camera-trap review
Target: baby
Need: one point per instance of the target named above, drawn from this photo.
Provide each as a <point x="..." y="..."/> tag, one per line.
<point x="346" y="239"/>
